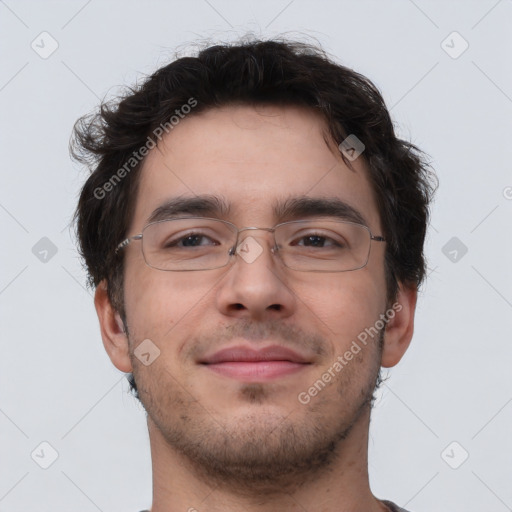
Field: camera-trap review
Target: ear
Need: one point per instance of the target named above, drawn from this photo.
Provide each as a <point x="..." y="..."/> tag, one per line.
<point x="400" y="327"/>
<point x="114" y="338"/>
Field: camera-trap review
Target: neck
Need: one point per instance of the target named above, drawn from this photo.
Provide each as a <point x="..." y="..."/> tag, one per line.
<point x="341" y="486"/>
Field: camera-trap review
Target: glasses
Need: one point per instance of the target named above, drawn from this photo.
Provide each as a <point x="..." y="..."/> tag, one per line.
<point x="201" y="243"/>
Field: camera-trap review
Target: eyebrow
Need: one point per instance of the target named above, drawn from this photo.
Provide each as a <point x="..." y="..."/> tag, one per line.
<point x="301" y="207"/>
<point x="202" y="206"/>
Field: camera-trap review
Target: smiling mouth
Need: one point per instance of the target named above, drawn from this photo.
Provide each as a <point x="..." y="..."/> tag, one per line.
<point x="255" y="364"/>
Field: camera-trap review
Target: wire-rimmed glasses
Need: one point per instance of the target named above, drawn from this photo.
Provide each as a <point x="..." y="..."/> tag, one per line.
<point x="202" y="243"/>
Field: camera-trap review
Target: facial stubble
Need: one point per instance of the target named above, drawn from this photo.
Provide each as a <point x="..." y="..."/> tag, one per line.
<point x="262" y="453"/>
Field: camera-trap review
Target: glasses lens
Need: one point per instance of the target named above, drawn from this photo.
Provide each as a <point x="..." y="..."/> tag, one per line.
<point x="323" y="245"/>
<point x="188" y="244"/>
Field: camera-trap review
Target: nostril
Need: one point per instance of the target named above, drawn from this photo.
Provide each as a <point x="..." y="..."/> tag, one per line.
<point x="276" y="307"/>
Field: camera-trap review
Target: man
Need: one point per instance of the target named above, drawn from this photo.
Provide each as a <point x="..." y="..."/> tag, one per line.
<point x="254" y="231"/>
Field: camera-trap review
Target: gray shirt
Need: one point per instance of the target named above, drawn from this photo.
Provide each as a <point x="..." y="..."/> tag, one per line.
<point x="392" y="507"/>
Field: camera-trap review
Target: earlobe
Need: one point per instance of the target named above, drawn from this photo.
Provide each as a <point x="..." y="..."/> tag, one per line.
<point x="400" y="327"/>
<point x="113" y="334"/>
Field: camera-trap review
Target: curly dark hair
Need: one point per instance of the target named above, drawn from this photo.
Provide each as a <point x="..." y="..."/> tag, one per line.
<point x="279" y="72"/>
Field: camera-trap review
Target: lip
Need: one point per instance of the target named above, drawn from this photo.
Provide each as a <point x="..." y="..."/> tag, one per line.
<point x="251" y="365"/>
<point x="242" y="353"/>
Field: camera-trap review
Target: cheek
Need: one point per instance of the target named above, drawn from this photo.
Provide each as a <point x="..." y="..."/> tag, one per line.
<point x="160" y="305"/>
<point x="344" y="305"/>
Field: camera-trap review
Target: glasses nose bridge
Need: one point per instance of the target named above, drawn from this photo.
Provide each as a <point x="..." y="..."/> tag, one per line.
<point x="255" y="228"/>
<point x="271" y="230"/>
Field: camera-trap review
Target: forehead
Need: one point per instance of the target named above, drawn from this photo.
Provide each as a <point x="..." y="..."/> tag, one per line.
<point x="252" y="158"/>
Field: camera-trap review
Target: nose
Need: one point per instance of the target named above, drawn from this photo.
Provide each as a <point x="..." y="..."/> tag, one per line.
<point x="257" y="286"/>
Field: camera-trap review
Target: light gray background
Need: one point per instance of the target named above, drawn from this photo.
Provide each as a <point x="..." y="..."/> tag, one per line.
<point x="454" y="384"/>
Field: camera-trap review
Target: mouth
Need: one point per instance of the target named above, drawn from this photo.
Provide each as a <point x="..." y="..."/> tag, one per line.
<point x="249" y="365"/>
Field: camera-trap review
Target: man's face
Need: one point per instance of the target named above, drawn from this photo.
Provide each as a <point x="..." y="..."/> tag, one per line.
<point x="242" y="424"/>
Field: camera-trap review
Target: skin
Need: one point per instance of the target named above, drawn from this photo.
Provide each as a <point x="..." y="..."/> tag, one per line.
<point x="219" y="444"/>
